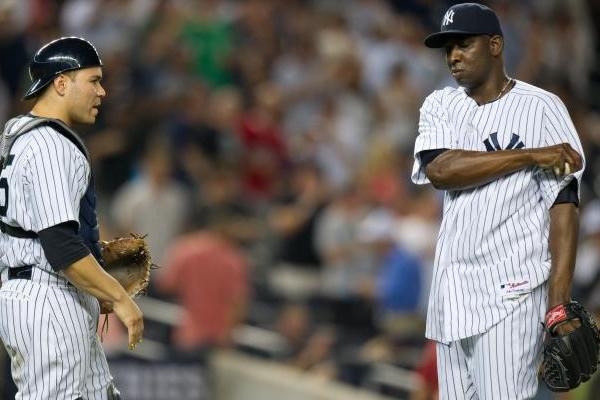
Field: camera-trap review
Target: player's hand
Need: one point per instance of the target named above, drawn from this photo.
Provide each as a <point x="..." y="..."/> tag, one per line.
<point x="131" y="316"/>
<point x="560" y="158"/>
<point x="567" y="327"/>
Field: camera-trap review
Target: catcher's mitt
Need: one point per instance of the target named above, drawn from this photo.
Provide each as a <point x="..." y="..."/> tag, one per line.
<point x="571" y="358"/>
<point x="128" y="260"/>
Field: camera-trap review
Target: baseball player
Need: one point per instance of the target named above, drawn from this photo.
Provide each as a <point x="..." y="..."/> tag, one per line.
<point x="51" y="277"/>
<point x="510" y="161"/>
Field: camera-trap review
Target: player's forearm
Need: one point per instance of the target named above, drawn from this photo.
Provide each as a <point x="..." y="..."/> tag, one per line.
<point x="462" y="169"/>
<point x="88" y="275"/>
<point x="564" y="225"/>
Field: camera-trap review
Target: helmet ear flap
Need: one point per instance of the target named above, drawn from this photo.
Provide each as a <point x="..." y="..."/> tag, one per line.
<point x="58" y="56"/>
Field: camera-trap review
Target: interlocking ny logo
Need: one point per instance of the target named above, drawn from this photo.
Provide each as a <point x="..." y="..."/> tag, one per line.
<point x="492" y="144"/>
<point x="448" y="18"/>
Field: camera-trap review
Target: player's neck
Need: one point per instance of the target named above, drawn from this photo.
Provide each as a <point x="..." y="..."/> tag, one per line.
<point x="44" y="109"/>
<point x="493" y="89"/>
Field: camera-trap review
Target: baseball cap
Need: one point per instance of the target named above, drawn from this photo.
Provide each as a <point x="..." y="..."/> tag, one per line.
<point x="467" y="19"/>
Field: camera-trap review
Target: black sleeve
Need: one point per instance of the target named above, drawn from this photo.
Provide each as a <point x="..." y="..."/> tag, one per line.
<point x="568" y="194"/>
<point x="62" y="245"/>
<point x="428" y="156"/>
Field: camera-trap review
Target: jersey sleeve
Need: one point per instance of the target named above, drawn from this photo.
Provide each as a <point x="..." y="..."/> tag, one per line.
<point x="55" y="178"/>
<point x="434" y="133"/>
<point x="557" y="128"/>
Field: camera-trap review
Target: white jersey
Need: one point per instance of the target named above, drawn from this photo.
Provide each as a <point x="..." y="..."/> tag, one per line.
<point x="45" y="179"/>
<point x="493" y="241"/>
<point x="47" y="326"/>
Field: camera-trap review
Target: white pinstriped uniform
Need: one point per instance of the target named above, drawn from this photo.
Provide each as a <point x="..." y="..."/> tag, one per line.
<point x="492" y="258"/>
<point x="47" y="326"/>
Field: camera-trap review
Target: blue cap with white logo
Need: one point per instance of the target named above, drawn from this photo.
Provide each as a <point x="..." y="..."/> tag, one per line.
<point x="466" y="19"/>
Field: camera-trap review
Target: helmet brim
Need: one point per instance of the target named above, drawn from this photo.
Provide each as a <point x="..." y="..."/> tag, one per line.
<point x="36" y="87"/>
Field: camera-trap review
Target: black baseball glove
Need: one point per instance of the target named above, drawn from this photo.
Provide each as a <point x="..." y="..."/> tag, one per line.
<point x="569" y="358"/>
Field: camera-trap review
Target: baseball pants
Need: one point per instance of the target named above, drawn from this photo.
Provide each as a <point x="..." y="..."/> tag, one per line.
<point x="500" y="364"/>
<point x="49" y="331"/>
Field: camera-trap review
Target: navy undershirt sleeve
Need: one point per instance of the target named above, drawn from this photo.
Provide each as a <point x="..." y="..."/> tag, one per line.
<point x="62" y="245"/>
<point x="568" y="194"/>
<point x="428" y="156"/>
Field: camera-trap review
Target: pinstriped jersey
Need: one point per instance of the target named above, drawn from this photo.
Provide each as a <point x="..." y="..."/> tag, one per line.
<point x="493" y="242"/>
<point x="41" y="185"/>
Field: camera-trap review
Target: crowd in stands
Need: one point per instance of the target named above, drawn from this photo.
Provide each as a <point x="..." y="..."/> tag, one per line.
<point x="265" y="148"/>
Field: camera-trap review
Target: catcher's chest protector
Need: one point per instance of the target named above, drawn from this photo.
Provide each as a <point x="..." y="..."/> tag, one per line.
<point x="88" y="220"/>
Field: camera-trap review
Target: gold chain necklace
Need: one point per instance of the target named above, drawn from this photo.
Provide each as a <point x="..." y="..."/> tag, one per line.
<point x="503" y="89"/>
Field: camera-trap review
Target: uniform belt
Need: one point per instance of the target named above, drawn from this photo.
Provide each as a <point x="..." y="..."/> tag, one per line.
<point x="23" y="272"/>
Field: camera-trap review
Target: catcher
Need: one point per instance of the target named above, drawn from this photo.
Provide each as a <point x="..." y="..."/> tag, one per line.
<point x="50" y="251"/>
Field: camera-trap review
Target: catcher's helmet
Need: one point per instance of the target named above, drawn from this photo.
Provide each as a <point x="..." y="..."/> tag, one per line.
<point x="58" y="56"/>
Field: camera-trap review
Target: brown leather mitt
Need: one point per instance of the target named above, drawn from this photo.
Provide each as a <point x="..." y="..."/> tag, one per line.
<point x="128" y="260"/>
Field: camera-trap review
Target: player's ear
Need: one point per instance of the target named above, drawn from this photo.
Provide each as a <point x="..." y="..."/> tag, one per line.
<point x="60" y="84"/>
<point x="496" y="45"/>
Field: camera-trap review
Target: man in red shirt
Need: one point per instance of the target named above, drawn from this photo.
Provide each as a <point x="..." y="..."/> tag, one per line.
<point x="208" y="274"/>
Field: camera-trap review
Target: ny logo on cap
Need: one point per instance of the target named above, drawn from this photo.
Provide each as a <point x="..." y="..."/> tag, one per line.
<point x="448" y="18"/>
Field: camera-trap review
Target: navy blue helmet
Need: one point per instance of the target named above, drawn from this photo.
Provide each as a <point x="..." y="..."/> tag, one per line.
<point x="58" y="56"/>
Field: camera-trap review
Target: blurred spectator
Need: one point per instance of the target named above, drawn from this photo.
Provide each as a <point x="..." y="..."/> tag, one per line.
<point x="397" y="104"/>
<point x="207" y="32"/>
<point x="206" y="134"/>
<point x="298" y="263"/>
<point x="395" y="290"/>
<point x="257" y="44"/>
<point x="559" y="30"/>
<point x="318" y="354"/>
<point x="587" y="270"/>
<point x="14" y="19"/>
<point x="300" y="74"/>
<point x="398" y="282"/>
<point x="224" y="115"/>
<point x="341" y="133"/>
<point x="208" y="274"/>
<point x="152" y="203"/>
<point x="364" y="16"/>
<point x="590" y="138"/>
<point x="264" y="148"/>
<point x="107" y="23"/>
<point x="427" y="371"/>
<point x="380" y="53"/>
<point x="348" y="266"/>
<point x="218" y="201"/>
<point x="416" y="228"/>
<point x="294" y="323"/>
